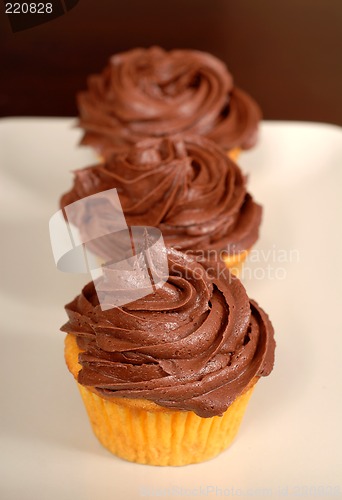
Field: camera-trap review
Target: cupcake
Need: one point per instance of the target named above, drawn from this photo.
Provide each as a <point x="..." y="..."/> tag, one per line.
<point x="186" y="186"/>
<point x="153" y="93"/>
<point x="166" y="379"/>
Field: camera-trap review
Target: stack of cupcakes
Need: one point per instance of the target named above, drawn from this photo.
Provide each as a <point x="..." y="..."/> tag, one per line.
<point x="166" y="378"/>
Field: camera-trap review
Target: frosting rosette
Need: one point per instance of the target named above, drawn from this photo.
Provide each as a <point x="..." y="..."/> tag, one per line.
<point x="186" y="186"/>
<point x="152" y="93"/>
<point x="195" y="344"/>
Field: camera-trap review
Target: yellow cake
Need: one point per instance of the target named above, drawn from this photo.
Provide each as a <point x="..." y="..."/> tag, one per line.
<point x="166" y="379"/>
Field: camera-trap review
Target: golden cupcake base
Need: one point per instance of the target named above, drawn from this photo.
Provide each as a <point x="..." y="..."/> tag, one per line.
<point x="235" y="262"/>
<point x="143" y="432"/>
<point x="234" y="154"/>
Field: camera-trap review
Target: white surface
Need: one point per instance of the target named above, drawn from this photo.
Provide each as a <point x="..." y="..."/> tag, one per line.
<point x="290" y="441"/>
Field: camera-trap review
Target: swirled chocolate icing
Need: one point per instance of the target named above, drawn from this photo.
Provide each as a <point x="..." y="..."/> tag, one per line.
<point x="186" y="186"/>
<point x="195" y="344"/>
<point x="152" y="93"/>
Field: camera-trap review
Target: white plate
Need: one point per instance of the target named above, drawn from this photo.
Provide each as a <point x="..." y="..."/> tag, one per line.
<point x="290" y="440"/>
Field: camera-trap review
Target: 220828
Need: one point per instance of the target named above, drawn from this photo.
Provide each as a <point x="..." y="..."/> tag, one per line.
<point x="30" y="7"/>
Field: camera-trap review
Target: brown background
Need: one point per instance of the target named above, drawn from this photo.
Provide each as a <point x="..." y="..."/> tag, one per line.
<point x="286" y="53"/>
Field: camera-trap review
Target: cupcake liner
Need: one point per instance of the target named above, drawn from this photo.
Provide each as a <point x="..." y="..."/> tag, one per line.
<point x="143" y="432"/>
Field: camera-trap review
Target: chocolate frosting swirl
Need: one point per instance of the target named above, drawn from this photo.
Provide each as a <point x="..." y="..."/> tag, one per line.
<point x="195" y="344"/>
<point x="186" y="186"/>
<point x="152" y="93"/>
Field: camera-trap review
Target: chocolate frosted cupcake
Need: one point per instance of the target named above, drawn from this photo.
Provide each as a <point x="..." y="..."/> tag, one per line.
<point x="166" y="379"/>
<point x="186" y="186"/>
<point x="153" y="93"/>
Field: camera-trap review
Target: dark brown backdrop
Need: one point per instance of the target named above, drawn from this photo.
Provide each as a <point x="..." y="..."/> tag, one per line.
<point x="286" y="53"/>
